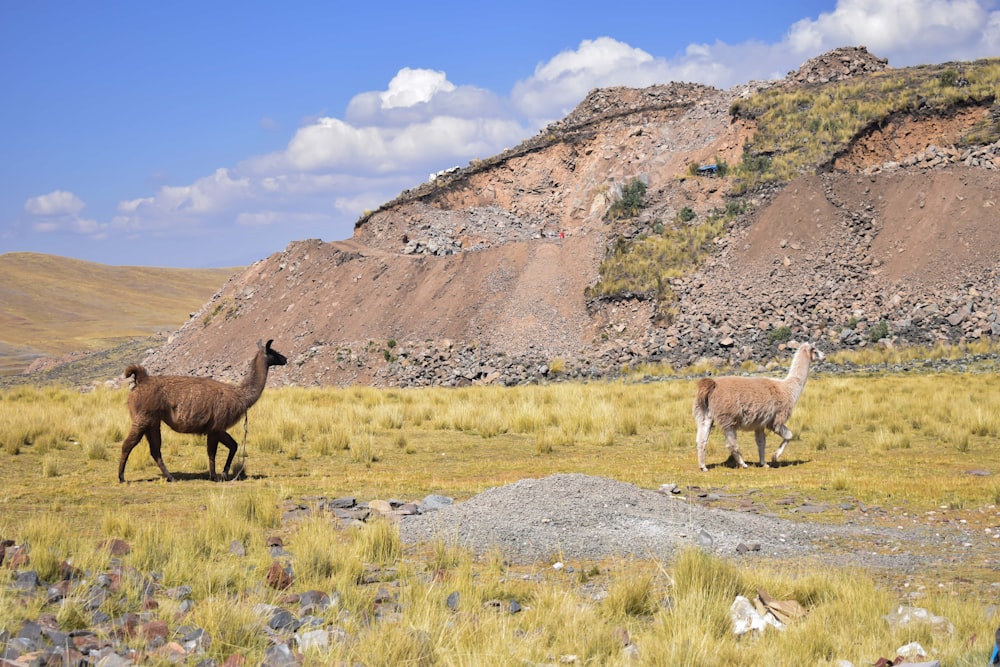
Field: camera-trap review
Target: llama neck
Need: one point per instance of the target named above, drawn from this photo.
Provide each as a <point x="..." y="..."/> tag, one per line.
<point x="799" y="372"/>
<point x="256" y="378"/>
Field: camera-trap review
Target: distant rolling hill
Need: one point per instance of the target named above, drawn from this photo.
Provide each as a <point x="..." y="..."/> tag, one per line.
<point x="52" y="305"/>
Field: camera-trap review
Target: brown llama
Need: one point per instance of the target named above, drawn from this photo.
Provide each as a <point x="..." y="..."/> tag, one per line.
<point x="193" y="405"/>
<point x="751" y="404"/>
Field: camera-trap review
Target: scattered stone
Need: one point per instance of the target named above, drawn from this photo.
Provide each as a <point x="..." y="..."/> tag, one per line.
<point x="280" y="655"/>
<point x="380" y="506"/>
<point x="904" y="617"/>
<point x="116" y="546"/>
<point x="279" y="577"/>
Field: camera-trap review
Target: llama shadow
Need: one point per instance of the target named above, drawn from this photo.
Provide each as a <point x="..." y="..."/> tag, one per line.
<point x="731" y="463"/>
<point x="237" y="476"/>
<point x="190" y="476"/>
<point x="790" y="462"/>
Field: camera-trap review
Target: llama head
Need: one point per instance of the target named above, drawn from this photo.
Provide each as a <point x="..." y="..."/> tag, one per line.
<point x="811" y="351"/>
<point x="273" y="357"/>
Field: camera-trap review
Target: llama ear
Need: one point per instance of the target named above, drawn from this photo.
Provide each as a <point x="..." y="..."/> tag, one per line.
<point x="260" y="344"/>
<point x="268" y="346"/>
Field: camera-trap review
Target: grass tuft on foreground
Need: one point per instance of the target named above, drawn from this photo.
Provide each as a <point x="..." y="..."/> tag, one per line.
<point x="904" y="443"/>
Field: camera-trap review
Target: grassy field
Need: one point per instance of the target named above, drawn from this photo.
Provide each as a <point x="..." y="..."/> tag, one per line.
<point x="904" y="443"/>
<point x="55" y="305"/>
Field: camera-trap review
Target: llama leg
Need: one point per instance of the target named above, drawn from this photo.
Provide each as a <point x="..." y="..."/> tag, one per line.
<point x="228" y="441"/>
<point x="761" y="439"/>
<point x="733" y="447"/>
<point x="131" y="440"/>
<point x="786" y="435"/>
<point x="153" y="436"/>
<point x="704" y="429"/>
<point x="213" y="448"/>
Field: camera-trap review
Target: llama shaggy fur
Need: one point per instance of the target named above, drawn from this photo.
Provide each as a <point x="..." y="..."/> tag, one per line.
<point x="193" y="405"/>
<point x="751" y="404"/>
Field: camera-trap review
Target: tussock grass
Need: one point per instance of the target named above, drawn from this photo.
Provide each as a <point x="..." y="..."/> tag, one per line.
<point x="904" y="442"/>
<point x="378" y="542"/>
<point x="805" y="126"/>
<point x="644" y="266"/>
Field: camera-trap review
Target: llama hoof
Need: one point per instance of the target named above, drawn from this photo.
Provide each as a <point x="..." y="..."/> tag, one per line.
<point x="704" y="468"/>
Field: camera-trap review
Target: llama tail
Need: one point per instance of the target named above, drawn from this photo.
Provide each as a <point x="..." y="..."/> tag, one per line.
<point x="705" y="388"/>
<point x="138" y="373"/>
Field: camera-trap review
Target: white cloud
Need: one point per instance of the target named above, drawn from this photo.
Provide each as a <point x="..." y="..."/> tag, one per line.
<point x="332" y="144"/>
<point x="59" y="211"/>
<point x="908" y="32"/>
<point x="414" y="86"/>
<point x="207" y="195"/>
<point x="56" y="203"/>
<point x="888" y="26"/>
<point x="559" y="84"/>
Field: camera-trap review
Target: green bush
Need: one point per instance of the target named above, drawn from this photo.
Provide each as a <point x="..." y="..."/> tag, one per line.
<point x="879" y="331"/>
<point x="781" y="334"/>
<point x="644" y="266"/>
<point x="631" y="201"/>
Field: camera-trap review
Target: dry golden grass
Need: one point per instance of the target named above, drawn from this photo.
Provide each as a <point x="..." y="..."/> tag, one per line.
<point x="807" y="125"/>
<point x="900" y="442"/>
<point x="81" y="313"/>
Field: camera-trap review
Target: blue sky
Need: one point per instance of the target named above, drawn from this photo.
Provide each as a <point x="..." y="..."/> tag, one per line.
<point x="205" y="134"/>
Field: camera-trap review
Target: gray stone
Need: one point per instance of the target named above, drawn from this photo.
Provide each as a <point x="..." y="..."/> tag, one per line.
<point x="279" y="655"/>
<point x="26" y="580"/>
<point x="434" y="502"/>
<point x="318" y="640"/>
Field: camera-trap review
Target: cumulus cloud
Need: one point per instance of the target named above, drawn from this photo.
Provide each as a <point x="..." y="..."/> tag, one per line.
<point x="414" y="86"/>
<point x="559" y="84"/>
<point x="899" y="26"/>
<point x="908" y="32"/>
<point x="173" y="204"/>
<point x="332" y="144"/>
<point x="56" y="203"/>
<point x="334" y="169"/>
<point x="59" y="211"/>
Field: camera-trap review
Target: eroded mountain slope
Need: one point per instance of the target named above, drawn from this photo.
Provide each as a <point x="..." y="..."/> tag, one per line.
<point x="479" y="274"/>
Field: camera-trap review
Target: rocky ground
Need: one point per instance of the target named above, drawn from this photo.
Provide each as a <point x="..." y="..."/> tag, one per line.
<point x="563" y="521"/>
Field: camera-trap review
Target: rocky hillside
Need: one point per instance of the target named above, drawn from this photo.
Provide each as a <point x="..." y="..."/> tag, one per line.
<point x="480" y="275"/>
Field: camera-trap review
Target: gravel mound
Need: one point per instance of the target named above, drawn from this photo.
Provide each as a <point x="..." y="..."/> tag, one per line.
<point x="576" y="516"/>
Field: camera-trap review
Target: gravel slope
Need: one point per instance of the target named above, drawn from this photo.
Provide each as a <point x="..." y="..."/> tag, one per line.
<point x="570" y="517"/>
